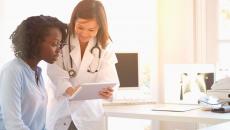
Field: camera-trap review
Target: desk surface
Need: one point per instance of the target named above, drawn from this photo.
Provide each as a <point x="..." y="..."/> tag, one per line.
<point x="145" y="112"/>
<point x="223" y="126"/>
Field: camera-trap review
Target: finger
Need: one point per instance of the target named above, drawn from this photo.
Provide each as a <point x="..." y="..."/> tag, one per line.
<point x="106" y="94"/>
<point x="110" y="89"/>
<point x="103" y="96"/>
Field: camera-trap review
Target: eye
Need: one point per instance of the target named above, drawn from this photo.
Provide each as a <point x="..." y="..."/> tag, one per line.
<point x="91" y="30"/>
<point x="60" y="45"/>
<point x="54" y="44"/>
<point x="80" y="28"/>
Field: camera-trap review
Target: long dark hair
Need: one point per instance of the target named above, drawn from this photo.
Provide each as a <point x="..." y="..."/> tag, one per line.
<point x="91" y="9"/>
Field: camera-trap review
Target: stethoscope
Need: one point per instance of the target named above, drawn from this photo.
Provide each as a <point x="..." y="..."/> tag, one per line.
<point x="94" y="65"/>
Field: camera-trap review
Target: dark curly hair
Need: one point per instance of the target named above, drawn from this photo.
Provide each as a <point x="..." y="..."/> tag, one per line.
<point x="31" y="32"/>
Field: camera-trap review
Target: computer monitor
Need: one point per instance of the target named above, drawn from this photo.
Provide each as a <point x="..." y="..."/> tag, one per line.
<point x="127" y="69"/>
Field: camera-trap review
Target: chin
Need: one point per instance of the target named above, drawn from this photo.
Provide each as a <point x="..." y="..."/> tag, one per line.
<point x="51" y="61"/>
<point x="84" y="40"/>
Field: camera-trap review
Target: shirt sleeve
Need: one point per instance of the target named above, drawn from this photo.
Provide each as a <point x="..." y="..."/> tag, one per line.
<point x="11" y="88"/>
<point x="108" y="72"/>
<point x="59" y="78"/>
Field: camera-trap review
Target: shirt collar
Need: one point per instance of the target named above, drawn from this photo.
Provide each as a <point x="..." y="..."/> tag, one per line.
<point x="38" y="69"/>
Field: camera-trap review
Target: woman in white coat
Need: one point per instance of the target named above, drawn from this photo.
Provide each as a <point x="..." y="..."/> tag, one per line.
<point x="88" y="57"/>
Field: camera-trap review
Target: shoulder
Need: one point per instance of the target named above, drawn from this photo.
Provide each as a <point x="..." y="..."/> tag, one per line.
<point x="13" y="67"/>
<point x="108" y="54"/>
<point x="110" y="47"/>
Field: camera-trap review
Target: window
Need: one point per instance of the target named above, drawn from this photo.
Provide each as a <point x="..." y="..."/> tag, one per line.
<point x="224" y="38"/>
<point x="224" y="21"/>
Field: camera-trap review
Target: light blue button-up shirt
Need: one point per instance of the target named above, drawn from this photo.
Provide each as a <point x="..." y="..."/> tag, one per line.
<point x="22" y="101"/>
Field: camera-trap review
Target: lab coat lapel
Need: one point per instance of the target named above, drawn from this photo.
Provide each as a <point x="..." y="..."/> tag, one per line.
<point x="82" y="65"/>
<point x="76" y="53"/>
<point x="86" y="61"/>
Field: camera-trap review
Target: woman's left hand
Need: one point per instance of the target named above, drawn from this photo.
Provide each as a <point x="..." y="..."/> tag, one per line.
<point x="106" y="93"/>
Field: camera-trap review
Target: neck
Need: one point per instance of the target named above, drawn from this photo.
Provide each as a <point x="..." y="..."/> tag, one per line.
<point x="82" y="44"/>
<point x="32" y="63"/>
<point x="83" y="47"/>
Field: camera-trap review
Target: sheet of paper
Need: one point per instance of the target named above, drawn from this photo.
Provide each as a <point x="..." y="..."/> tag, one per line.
<point x="175" y="107"/>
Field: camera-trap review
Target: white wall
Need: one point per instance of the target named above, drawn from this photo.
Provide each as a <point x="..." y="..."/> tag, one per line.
<point x="176" y="35"/>
<point x="187" y="35"/>
<point x="12" y="13"/>
<point x="212" y="31"/>
<point x="176" y="41"/>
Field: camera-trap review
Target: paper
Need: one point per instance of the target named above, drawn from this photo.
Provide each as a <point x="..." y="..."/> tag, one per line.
<point x="89" y="91"/>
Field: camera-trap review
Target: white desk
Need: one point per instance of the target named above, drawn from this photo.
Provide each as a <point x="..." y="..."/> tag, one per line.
<point x="145" y="112"/>
<point x="223" y="126"/>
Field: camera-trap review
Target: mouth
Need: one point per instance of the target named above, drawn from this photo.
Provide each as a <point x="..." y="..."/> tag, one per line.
<point x="84" y="38"/>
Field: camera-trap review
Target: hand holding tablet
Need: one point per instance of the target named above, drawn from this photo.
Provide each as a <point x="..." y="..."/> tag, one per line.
<point x="89" y="91"/>
<point x="106" y="93"/>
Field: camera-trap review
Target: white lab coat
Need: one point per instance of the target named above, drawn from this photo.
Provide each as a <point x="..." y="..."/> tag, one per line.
<point x="88" y="114"/>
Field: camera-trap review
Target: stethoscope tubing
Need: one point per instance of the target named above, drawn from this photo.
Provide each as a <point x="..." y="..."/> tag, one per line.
<point x="71" y="71"/>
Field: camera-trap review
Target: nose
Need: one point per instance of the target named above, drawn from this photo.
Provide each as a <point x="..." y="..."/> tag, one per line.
<point x="84" y="33"/>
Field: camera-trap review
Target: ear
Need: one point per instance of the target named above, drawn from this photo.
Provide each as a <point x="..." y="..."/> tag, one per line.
<point x="37" y="49"/>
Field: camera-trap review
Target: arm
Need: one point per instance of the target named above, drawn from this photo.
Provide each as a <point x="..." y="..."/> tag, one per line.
<point x="108" y="73"/>
<point x="11" y="100"/>
<point x="60" y="79"/>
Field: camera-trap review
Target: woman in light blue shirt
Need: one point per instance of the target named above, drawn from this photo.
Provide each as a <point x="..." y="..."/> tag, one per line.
<point x="23" y="98"/>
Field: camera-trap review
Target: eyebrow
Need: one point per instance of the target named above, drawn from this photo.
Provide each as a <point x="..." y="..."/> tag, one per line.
<point x="89" y="28"/>
<point x="93" y="28"/>
<point x="59" y="40"/>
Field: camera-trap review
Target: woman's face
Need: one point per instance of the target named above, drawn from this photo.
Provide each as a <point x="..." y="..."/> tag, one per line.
<point x="49" y="49"/>
<point x="85" y="29"/>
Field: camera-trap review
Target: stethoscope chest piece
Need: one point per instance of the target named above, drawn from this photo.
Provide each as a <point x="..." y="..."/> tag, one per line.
<point x="72" y="73"/>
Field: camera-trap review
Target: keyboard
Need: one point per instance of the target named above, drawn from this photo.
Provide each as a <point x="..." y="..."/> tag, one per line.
<point x="128" y="102"/>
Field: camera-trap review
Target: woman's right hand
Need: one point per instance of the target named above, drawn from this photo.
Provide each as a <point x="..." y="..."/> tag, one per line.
<point x="71" y="90"/>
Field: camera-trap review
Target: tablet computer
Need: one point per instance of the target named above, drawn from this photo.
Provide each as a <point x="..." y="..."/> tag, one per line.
<point x="89" y="91"/>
